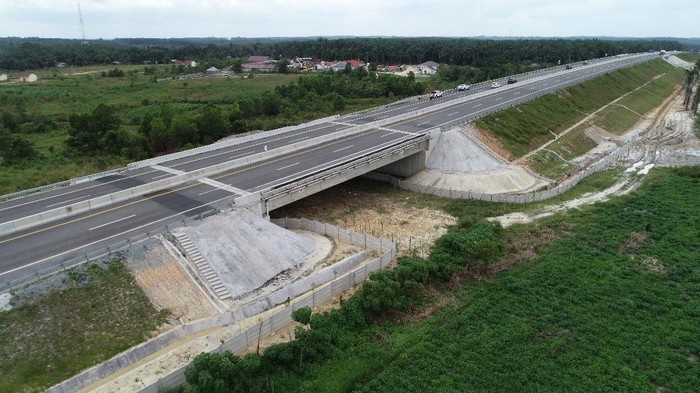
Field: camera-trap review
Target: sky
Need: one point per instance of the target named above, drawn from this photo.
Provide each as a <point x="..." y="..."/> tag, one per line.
<point x="108" y="19"/>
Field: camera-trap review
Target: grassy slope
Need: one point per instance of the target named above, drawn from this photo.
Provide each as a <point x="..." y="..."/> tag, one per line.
<point x="691" y="57"/>
<point x="527" y="126"/>
<point x="101" y="313"/>
<point x="610" y="306"/>
<point x="617" y="118"/>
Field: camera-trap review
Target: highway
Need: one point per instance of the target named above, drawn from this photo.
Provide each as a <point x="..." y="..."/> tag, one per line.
<point x="23" y="252"/>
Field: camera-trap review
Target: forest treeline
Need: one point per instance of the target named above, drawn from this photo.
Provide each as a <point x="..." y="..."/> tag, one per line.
<point x="23" y="54"/>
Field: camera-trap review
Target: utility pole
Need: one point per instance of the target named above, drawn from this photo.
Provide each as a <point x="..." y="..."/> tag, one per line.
<point x="82" y="25"/>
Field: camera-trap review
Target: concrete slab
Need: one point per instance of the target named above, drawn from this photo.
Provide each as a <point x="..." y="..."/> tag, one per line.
<point x="245" y="250"/>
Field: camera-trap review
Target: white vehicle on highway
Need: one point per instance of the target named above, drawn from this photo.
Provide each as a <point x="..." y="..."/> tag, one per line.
<point x="495" y="85"/>
<point x="435" y="94"/>
<point x="463" y="87"/>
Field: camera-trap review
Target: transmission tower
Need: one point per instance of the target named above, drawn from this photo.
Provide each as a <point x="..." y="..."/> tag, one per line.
<point x="82" y="25"/>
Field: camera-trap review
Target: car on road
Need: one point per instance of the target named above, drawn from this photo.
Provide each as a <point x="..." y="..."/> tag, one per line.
<point x="435" y="94"/>
<point x="568" y="66"/>
<point x="495" y="85"/>
<point x="463" y="87"/>
<point x="511" y="80"/>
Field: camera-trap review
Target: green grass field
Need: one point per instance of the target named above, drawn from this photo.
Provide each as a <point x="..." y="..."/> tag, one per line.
<point x="55" y="335"/>
<point x="608" y="303"/>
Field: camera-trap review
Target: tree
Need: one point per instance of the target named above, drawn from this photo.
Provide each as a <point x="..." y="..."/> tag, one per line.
<point x="301" y="334"/>
<point x="14" y="149"/>
<point x="282" y="65"/>
<point x="211" y="125"/>
<point x="237" y="66"/>
<point x="87" y="131"/>
<point x="236" y="122"/>
<point x="183" y="131"/>
<point x="158" y="136"/>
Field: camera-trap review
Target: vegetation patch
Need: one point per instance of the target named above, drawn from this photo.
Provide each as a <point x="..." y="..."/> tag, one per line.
<point x="689" y="57"/>
<point x="522" y="129"/>
<point x="51" y="335"/>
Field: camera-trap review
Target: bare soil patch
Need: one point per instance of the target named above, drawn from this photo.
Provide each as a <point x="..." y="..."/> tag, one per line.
<point x="167" y="285"/>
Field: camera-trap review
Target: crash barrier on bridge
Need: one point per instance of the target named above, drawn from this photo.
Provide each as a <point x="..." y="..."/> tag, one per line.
<point x="231" y="141"/>
<point x="529" y="197"/>
<point x="64" y="183"/>
<point x="308" y="292"/>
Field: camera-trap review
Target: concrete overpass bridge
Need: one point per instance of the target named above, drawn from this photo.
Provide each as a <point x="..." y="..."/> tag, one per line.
<point x="262" y="172"/>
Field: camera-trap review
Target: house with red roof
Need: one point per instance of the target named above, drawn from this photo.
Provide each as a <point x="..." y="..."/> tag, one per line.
<point x="258" y="59"/>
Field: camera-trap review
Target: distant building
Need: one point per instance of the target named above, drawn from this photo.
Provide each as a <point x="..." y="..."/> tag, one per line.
<point x="258" y="59"/>
<point x="322" y="65"/>
<point x="25" y="77"/>
<point x="339" y="66"/>
<point x="189" y="63"/>
<point x="60" y="64"/>
<point x="258" y="67"/>
<point x="3" y="77"/>
<point x="428" y="68"/>
<point x="212" y="71"/>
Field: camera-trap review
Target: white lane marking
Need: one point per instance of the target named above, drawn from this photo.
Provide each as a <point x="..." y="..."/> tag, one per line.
<point x="288" y="166"/>
<point x="385" y="135"/>
<point x="109" y="237"/>
<point x="498" y="98"/>
<point x="112" y="222"/>
<point x="69" y="200"/>
<point x="207" y="192"/>
<point x="478" y="105"/>
<point x="344" y="148"/>
<point x="452" y="114"/>
<point x="423" y="123"/>
<point x="168" y="170"/>
<point x="223" y="186"/>
<point x="160" y="177"/>
<point x="300" y="139"/>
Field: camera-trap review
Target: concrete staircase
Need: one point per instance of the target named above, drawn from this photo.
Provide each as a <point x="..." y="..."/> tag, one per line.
<point x="205" y="271"/>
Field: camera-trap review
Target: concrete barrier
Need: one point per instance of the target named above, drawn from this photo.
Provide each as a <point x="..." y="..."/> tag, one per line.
<point x="321" y="291"/>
